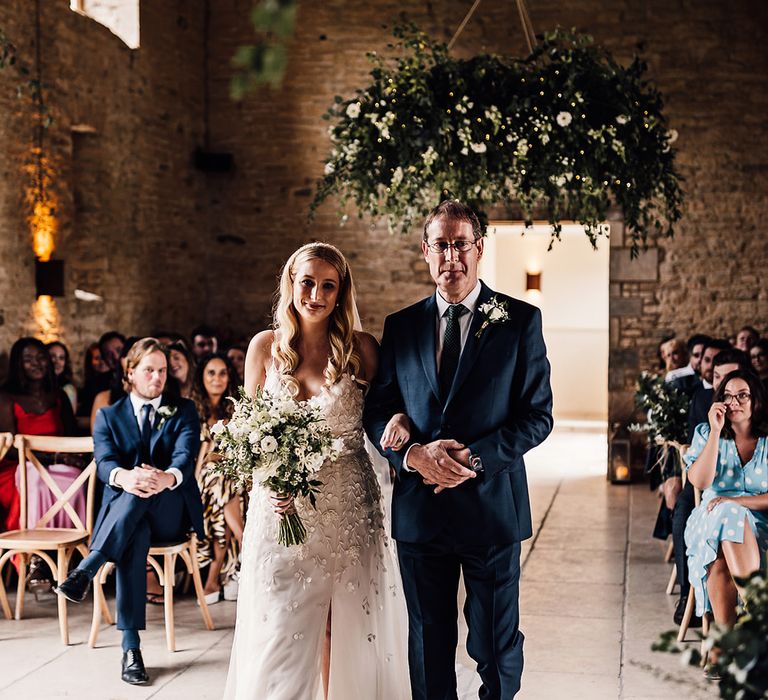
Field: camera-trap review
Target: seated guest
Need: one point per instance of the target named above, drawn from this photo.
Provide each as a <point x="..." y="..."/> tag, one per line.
<point x="32" y="404"/>
<point x="728" y="460"/>
<point x="62" y="369"/>
<point x="759" y="356"/>
<point x="746" y="338"/>
<point x="145" y="446"/>
<point x="718" y="360"/>
<point x="116" y="389"/>
<point x="111" y="346"/>
<point x="93" y="372"/>
<point x="182" y="366"/>
<point x="168" y="337"/>
<point x="236" y="355"/>
<point x="204" y="341"/>
<point x="215" y="381"/>
<point x="675" y="355"/>
<point x="696" y="344"/>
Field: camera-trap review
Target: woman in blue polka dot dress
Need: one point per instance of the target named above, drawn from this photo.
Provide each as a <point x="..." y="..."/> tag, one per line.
<point x="728" y="460"/>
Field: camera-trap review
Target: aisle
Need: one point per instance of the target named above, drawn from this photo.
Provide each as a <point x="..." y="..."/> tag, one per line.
<point x="592" y="602"/>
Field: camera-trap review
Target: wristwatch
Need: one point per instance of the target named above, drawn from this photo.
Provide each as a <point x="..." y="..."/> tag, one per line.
<point x="475" y="463"/>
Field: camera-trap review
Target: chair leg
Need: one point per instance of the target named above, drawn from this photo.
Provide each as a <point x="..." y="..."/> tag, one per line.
<point x="3" y="596"/>
<point x="21" y="585"/>
<point x="61" y="573"/>
<point x="192" y="565"/>
<point x="670" y="553"/>
<point x="672" y="580"/>
<point x="99" y="605"/>
<point x="705" y="633"/>
<point x="170" y="633"/>
<point x="687" y="615"/>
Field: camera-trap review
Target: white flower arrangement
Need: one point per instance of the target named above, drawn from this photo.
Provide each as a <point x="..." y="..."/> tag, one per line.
<point x="281" y="442"/>
<point x="494" y="311"/>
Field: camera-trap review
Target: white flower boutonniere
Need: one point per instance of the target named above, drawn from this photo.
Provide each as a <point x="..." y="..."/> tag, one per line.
<point x="165" y="412"/>
<point x="494" y="311"/>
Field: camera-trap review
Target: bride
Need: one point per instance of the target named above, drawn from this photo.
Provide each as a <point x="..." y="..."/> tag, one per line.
<point x="332" y="608"/>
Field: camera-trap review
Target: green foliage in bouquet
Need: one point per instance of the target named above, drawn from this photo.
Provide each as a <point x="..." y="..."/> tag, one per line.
<point x="567" y="130"/>
<point x="743" y="650"/>
<point x="280" y="442"/>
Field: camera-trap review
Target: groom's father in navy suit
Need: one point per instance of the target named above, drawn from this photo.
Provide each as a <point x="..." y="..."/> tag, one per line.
<point x="469" y="367"/>
<point x="145" y="446"/>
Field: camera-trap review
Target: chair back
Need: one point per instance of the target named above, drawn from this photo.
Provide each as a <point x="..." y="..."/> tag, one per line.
<point x="26" y="446"/>
<point x="6" y="442"/>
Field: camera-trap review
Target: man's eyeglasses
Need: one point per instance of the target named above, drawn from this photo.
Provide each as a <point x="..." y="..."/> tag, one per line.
<point x="742" y="398"/>
<point x="461" y="246"/>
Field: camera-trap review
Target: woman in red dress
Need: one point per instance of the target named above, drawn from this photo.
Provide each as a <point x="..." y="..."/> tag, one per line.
<point x="30" y="404"/>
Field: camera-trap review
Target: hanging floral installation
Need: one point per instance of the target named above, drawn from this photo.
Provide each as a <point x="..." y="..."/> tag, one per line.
<point x="567" y="132"/>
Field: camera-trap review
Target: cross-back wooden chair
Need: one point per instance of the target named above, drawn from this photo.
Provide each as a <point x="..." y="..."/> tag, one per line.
<point x="187" y="550"/>
<point x="36" y="538"/>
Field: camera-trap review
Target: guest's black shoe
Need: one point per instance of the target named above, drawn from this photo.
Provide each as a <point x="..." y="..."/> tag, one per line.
<point x="695" y="622"/>
<point x="75" y="587"/>
<point x="133" y="668"/>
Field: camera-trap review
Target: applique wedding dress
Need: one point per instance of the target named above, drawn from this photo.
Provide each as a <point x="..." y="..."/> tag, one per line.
<point x="347" y="564"/>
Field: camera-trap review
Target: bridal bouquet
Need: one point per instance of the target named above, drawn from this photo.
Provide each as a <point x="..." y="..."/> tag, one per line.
<point x="282" y="443"/>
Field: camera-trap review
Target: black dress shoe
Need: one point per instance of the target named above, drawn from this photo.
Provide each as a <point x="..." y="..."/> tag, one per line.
<point x="695" y="622"/>
<point x="75" y="587"/>
<point x="133" y="668"/>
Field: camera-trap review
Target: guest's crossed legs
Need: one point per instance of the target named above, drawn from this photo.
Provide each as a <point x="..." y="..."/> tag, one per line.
<point x="430" y="575"/>
<point x="124" y="536"/>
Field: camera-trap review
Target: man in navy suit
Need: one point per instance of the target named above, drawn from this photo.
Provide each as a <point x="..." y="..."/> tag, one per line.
<point x="145" y="447"/>
<point x="469" y="368"/>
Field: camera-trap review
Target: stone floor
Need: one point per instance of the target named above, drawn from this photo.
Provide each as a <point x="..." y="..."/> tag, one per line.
<point x="592" y="602"/>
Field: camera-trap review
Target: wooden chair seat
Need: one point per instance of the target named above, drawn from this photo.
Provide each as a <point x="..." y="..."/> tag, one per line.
<point x="40" y="538"/>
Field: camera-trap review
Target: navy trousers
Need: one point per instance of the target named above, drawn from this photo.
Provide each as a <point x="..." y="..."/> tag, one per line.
<point x="125" y="532"/>
<point x="430" y="574"/>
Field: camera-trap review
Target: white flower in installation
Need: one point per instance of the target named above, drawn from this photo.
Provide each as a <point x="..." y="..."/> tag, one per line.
<point x="397" y="176"/>
<point x="564" y="118"/>
<point x="478" y="147"/>
<point x="622" y="119"/>
<point x="329" y="168"/>
<point x="268" y="444"/>
<point x="672" y="135"/>
<point x="353" y="110"/>
<point x="522" y="147"/>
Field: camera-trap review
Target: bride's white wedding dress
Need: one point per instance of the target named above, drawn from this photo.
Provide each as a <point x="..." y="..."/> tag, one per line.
<point x="347" y="564"/>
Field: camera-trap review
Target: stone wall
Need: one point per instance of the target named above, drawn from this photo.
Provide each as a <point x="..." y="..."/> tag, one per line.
<point x="168" y="245"/>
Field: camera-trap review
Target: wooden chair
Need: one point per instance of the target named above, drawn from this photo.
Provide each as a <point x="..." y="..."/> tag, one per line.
<point x="187" y="550"/>
<point x="38" y="539"/>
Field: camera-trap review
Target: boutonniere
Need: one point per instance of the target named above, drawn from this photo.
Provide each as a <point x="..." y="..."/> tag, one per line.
<point x="494" y="311"/>
<point x="166" y="412"/>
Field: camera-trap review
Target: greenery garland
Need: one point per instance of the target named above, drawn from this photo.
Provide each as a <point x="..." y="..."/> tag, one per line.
<point x="567" y="131"/>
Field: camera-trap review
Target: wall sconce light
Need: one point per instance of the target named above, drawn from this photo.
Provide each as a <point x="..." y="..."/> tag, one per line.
<point x="49" y="278"/>
<point x="619" y="457"/>
<point x="532" y="281"/>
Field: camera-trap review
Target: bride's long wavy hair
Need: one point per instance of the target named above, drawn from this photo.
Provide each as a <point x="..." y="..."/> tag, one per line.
<point x="344" y="356"/>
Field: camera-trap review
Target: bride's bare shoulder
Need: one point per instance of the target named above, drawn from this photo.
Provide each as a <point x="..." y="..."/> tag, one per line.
<point x="261" y="343"/>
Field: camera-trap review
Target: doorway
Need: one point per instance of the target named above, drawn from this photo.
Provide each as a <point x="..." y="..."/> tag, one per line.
<point x="573" y="297"/>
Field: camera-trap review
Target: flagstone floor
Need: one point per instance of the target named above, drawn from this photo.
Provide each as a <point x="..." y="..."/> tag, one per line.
<point x="592" y="601"/>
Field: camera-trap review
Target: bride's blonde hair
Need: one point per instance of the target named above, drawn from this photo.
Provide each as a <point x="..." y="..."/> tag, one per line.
<point x="344" y="355"/>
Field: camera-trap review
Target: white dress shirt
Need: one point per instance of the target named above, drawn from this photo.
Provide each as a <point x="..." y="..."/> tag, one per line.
<point x="137" y="403"/>
<point x="465" y="321"/>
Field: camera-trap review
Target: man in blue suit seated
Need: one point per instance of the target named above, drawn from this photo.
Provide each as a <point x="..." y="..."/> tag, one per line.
<point x="469" y="368"/>
<point x="145" y="447"/>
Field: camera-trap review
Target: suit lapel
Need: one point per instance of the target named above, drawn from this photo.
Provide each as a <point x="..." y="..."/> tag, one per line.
<point x="426" y="344"/>
<point x="473" y="345"/>
<point x="128" y="418"/>
<point x="159" y="426"/>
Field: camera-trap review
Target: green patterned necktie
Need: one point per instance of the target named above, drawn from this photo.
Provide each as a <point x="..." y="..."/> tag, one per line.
<point x="449" y="360"/>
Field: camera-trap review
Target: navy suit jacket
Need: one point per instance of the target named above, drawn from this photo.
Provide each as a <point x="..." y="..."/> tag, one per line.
<point x="500" y="406"/>
<point x="117" y="443"/>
